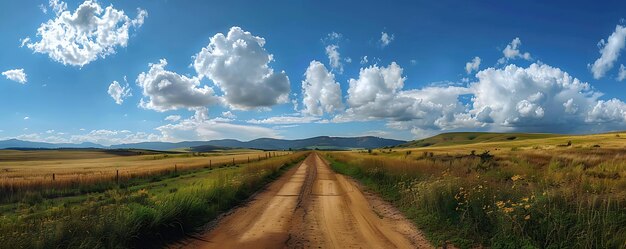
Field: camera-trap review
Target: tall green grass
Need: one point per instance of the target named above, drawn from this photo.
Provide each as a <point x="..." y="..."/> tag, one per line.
<point x="142" y="216"/>
<point x="470" y="201"/>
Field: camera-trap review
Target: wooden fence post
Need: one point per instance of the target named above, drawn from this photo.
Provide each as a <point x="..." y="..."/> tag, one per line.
<point x="117" y="176"/>
<point x="175" y="168"/>
<point x="210" y="167"/>
<point x="53" y="177"/>
<point x="233" y="161"/>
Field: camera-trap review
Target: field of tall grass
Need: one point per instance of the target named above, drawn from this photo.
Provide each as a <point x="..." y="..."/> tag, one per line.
<point x="148" y="213"/>
<point x="567" y="192"/>
<point x="58" y="173"/>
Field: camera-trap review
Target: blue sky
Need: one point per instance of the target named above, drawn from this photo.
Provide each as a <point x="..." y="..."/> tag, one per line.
<point x="542" y="68"/>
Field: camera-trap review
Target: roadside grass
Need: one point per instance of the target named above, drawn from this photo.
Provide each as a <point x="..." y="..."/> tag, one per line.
<point x="149" y="213"/>
<point x="543" y="194"/>
<point x="28" y="175"/>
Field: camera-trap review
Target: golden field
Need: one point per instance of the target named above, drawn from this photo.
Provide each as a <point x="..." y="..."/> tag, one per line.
<point x="52" y="170"/>
<point x="540" y="192"/>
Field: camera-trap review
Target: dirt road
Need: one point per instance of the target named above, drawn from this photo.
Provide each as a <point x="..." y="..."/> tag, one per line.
<point x="312" y="207"/>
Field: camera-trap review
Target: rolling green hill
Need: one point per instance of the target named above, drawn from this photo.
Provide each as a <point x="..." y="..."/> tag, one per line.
<point x="455" y="138"/>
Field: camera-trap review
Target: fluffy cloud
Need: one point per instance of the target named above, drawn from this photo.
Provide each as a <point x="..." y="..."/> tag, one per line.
<point x="611" y="111"/>
<point x="285" y="120"/>
<point x="228" y="114"/>
<point x="197" y="127"/>
<point x="530" y="98"/>
<point x="375" y="84"/>
<point x="239" y="65"/>
<point x="332" y="52"/>
<point x="16" y="75"/>
<point x="119" y="92"/>
<point x="103" y="136"/>
<point x="173" y="118"/>
<point x="333" y="36"/>
<point x="58" y="6"/>
<point x="378" y="94"/>
<point x="539" y="98"/>
<point x="110" y="137"/>
<point x="609" y="52"/>
<point x="334" y="57"/>
<point x="200" y="127"/>
<point x="512" y="52"/>
<point x="43" y="8"/>
<point x="364" y="60"/>
<point x="622" y="73"/>
<point x="320" y="90"/>
<point x="168" y="90"/>
<point x="89" y="32"/>
<point x="472" y="65"/>
<point x="385" y="39"/>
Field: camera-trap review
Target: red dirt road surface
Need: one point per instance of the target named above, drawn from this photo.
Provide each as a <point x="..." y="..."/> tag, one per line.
<point x="311" y="206"/>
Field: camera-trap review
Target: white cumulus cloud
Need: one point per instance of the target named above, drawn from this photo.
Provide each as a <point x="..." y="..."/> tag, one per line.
<point x="622" y="73"/>
<point x="285" y="120"/>
<point x="43" y="8"/>
<point x="538" y="98"/>
<point x="239" y="65"/>
<point x="609" y="52"/>
<point x="80" y="37"/>
<point x="119" y="92"/>
<point x="321" y="93"/>
<point x="472" y="65"/>
<point x="378" y="94"/>
<point x="16" y="75"/>
<point x="512" y="51"/>
<point x="385" y="39"/>
<point x="611" y="111"/>
<point x="110" y="137"/>
<point x="173" y="118"/>
<point x="334" y="57"/>
<point x="166" y="90"/>
<point x="229" y="115"/>
<point x="200" y="127"/>
<point x="364" y="60"/>
<point x="542" y="98"/>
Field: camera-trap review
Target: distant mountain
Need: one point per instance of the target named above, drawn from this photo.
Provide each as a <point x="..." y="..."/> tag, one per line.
<point x="15" y="143"/>
<point x="158" y="145"/>
<point x="323" y="142"/>
<point x="454" y="138"/>
<point x="207" y="148"/>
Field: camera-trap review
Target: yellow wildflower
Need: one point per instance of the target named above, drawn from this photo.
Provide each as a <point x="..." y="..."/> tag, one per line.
<point x="500" y="204"/>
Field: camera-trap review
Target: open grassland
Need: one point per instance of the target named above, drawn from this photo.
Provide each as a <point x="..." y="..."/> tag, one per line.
<point x="147" y="213"/>
<point x="551" y="192"/>
<point x="53" y="173"/>
<point x="458" y="138"/>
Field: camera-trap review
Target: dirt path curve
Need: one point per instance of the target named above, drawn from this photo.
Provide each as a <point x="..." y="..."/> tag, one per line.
<point x="311" y="206"/>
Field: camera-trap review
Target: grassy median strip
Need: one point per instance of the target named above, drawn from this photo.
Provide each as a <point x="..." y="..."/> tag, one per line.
<point x="146" y="214"/>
